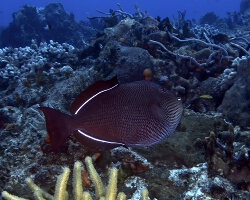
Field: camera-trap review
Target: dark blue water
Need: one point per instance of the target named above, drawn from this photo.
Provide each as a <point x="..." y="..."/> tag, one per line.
<point x="84" y="8"/>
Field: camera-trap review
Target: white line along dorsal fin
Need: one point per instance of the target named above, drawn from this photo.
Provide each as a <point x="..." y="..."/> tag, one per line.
<point x="91" y="92"/>
<point x="93" y="98"/>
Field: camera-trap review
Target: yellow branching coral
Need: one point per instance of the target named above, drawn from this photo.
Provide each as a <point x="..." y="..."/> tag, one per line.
<point x="95" y="178"/>
<point x="37" y="191"/>
<point x="144" y="194"/>
<point x="9" y="196"/>
<point x="121" y="196"/>
<point x="61" y="185"/>
<point x="86" y="196"/>
<point x="78" y="193"/>
<point x="112" y="185"/>
<point x="77" y="181"/>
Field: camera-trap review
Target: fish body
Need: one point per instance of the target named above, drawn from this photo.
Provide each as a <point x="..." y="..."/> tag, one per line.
<point x="108" y="114"/>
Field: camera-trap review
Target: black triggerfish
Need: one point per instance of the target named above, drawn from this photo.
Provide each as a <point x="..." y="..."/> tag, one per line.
<point x="108" y="114"/>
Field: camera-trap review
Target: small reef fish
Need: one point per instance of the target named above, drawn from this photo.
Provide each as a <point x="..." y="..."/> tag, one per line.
<point x="108" y="114"/>
<point x="206" y="96"/>
<point x="48" y="27"/>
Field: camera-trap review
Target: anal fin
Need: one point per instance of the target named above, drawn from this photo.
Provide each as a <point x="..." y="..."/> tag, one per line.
<point x="94" y="143"/>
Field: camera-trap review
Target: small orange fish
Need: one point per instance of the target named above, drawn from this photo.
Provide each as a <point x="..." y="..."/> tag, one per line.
<point x="147" y="73"/>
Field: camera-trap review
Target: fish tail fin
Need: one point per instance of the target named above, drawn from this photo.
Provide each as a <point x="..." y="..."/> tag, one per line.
<point x="58" y="126"/>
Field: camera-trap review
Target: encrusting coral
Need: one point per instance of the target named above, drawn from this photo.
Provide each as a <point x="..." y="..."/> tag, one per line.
<point x="62" y="180"/>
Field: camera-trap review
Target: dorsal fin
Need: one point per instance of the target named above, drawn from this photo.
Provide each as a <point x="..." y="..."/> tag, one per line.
<point x="91" y="91"/>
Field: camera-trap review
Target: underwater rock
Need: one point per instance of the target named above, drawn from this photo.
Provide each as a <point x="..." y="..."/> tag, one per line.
<point x="220" y="38"/>
<point x="203" y="53"/>
<point x="216" y="87"/>
<point x="121" y="28"/>
<point x="127" y="62"/>
<point x="184" y="152"/>
<point x="149" y="22"/>
<point x="131" y="62"/>
<point x="244" y="6"/>
<point x="44" y="24"/>
<point x="31" y="70"/>
<point x="128" y="32"/>
<point x="44" y="166"/>
<point x="227" y="156"/>
<point x="200" y="186"/>
<point x="209" y="18"/>
<point x="23" y="132"/>
<point x="160" y="36"/>
<point x="66" y="70"/>
<point x="63" y="92"/>
<point x="236" y="102"/>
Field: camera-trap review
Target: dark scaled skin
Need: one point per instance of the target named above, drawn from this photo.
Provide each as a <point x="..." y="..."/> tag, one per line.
<point x="107" y="115"/>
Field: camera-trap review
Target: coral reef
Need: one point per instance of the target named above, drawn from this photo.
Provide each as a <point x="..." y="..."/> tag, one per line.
<point x="44" y="24"/>
<point x="236" y="103"/>
<point x="209" y="18"/>
<point x="184" y="64"/>
<point x="186" y="67"/>
<point x="45" y="56"/>
<point x="207" y="66"/>
<point x="61" y="186"/>
<point x="244" y="6"/>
